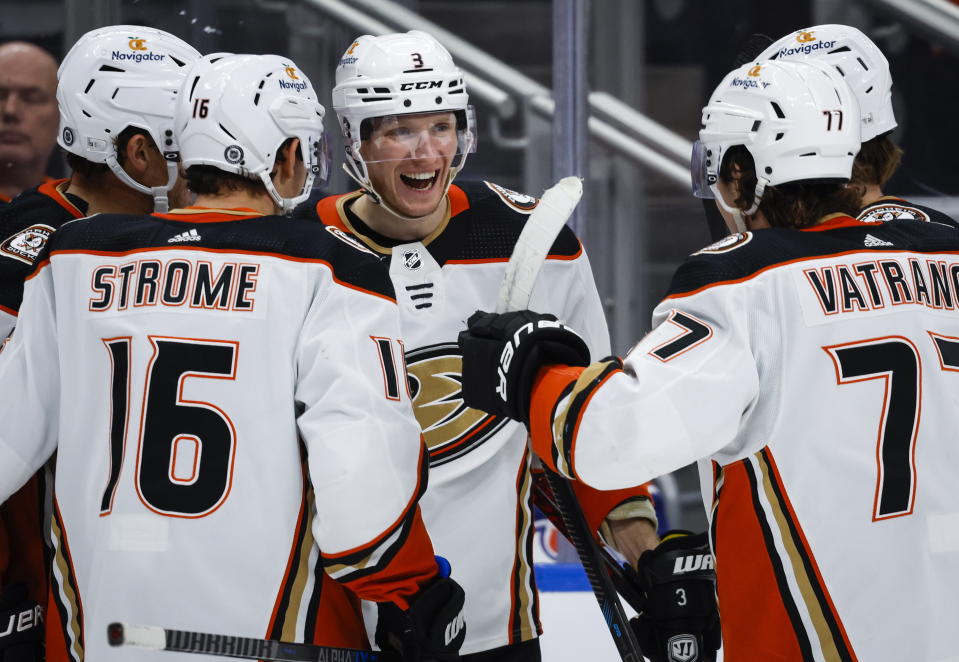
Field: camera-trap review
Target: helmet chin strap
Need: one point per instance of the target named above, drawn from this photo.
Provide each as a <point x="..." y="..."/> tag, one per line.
<point x="161" y="202"/>
<point x="287" y="204"/>
<point x="739" y="216"/>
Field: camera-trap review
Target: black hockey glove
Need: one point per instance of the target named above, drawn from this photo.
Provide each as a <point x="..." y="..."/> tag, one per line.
<point x="503" y="353"/>
<point x="680" y="620"/>
<point x="431" y="629"/>
<point x="21" y="626"/>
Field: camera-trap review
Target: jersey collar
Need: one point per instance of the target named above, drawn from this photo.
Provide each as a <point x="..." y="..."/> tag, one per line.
<point x="334" y="210"/>
<point x="55" y="189"/>
<point x="833" y="221"/>
<point x="209" y="214"/>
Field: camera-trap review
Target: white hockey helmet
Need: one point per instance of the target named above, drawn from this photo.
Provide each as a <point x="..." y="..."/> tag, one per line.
<point x="236" y="111"/>
<point x="399" y="74"/>
<point x="857" y="58"/>
<point x="792" y="117"/>
<point x="117" y="77"/>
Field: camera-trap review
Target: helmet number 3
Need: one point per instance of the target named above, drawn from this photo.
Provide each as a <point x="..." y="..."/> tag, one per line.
<point x="417" y="60"/>
<point x="829" y="119"/>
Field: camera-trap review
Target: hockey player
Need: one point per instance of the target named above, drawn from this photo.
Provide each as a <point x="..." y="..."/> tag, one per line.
<point x="866" y="70"/>
<point x="218" y="361"/>
<point x="28" y="116"/>
<point x="403" y="109"/>
<point x="792" y="359"/>
<point x="116" y="97"/>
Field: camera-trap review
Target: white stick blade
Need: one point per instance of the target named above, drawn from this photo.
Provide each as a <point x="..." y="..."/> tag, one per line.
<point x="538" y="235"/>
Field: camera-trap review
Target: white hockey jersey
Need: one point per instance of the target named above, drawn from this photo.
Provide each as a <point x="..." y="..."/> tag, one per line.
<point x="192" y="370"/>
<point x="814" y="375"/>
<point x="477" y="508"/>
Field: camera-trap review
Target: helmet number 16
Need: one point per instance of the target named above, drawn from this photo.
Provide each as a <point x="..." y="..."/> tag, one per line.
<point x="201" y="108"/>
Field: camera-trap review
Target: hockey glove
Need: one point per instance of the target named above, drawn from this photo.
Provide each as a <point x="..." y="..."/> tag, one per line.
<point x="21" y="626"/>
<point x="431" y="629"/>
<point x="680" y="619"/>
<point x="503" y="353"/>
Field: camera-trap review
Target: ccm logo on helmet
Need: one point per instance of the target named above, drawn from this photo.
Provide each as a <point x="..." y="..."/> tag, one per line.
<point x="422" y="85"/>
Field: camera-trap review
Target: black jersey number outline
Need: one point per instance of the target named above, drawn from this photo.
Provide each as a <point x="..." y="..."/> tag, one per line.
<point x="895" y="360"/>
<point x="694" y="332"/>
<point x="170" y="425"/>
<point x="119" y="351"/>
<point x="393" y="371"/>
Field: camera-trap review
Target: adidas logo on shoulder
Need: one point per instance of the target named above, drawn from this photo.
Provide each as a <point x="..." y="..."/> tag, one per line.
<point x="871" y="242"/>
<point x="189" y="235"/>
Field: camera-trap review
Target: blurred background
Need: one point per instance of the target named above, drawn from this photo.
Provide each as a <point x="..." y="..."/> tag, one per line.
<point x="649" y="67"/>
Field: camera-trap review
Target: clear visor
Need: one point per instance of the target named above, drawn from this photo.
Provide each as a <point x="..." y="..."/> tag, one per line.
<point x="699" y="171"/>
<point x="319" y="161"/>
<point x="425" y="137"/>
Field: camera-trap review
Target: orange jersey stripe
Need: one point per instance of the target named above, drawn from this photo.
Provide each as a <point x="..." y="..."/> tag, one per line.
<point x="757" y="624"/>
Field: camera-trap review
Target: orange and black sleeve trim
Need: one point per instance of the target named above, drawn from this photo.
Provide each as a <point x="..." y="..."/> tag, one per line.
<point x="397" y="564"/>
<point x="598" y="504"/>
<point x="553" y="429"/>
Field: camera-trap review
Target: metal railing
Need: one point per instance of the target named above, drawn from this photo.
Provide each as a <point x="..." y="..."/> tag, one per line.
<point x="619" y="127"/>
<point x="936" y="20"/>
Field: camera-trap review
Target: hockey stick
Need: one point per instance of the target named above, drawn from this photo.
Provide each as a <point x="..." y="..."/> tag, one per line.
<point x="546" y="502"/>
<point x="244" y="648"/>
<point x="534" y="242"/>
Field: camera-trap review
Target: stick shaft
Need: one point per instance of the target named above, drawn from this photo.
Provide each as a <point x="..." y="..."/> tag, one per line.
<point x="243" y="648"/>
<point x="541" y="230"/>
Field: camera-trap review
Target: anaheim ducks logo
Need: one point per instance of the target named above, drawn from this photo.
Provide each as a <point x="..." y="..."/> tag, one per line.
<point x="291" y="72"/>
<point x="450" y="428"/>
<point x="805" y="36"/>
<point x="26" y="245"/>
<point x="138" y="44"/>
<point x="755" y="71"/>
<point x="726" y="244"/>
<point x="518" y="201"/>
<point x="892" y="212"/>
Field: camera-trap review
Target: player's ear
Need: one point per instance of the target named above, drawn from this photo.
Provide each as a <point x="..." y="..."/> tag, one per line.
<point x="139" y="154"/>
<point x="286" y="160"/>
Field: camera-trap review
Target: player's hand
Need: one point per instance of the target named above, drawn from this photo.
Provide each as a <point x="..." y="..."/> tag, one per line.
<point x="631" y="537"/>
<point x="680" y="620"/>
<point x="432" y="628"/>
<point x="21" y="626"/>
<point x="503" y="353"/>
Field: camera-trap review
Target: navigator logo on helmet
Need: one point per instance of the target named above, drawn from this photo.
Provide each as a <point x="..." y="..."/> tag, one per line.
<point x="100" y="95"/>
<point x="859" y="61"/>
<point x="230" y="116"/>
<point x="790" y="124"/>
<point x="380" y="78"/>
